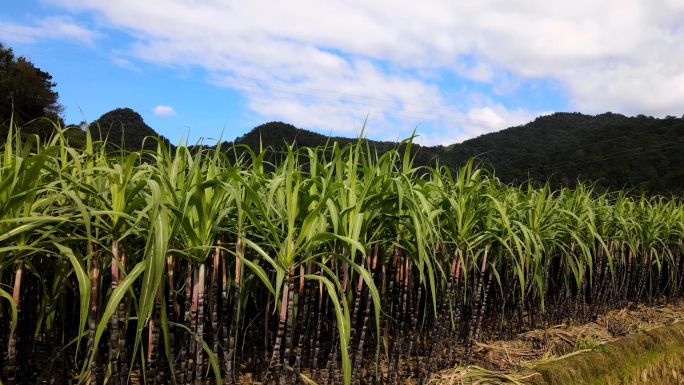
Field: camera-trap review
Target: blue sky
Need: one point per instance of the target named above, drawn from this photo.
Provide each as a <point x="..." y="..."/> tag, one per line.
<point x="452" y="69"/>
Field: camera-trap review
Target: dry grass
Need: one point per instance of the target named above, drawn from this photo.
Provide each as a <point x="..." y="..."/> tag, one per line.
<point x="651" y="357"/>
<point x="473" y="375"/>
<point x="636" y="318"/>
<point x="594" y="353"/>
<point x="538" y="345"/>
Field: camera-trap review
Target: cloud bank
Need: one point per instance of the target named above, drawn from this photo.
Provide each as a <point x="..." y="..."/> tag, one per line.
<point x="337" y="62"/>
<point x="61" y="27"/>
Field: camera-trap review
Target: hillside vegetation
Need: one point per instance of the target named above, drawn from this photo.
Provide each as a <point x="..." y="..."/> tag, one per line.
<point x="641" y="154"/>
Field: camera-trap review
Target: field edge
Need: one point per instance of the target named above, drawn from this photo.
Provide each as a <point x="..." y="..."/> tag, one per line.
<point x="654" y="356"/>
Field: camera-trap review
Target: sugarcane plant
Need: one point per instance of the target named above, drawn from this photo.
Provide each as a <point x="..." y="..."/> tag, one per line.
<point x="332" y="264"/>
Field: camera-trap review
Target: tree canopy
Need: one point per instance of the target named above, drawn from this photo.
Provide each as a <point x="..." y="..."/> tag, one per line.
<point x="26" y="91"/>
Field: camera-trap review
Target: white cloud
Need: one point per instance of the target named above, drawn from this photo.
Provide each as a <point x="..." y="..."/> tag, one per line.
<point x="385" y="56"/>
<point x="162" y="110"/>
<point x="50" y="27"/>
<point x="480" y="121"/>
<point x="127" y="64"/>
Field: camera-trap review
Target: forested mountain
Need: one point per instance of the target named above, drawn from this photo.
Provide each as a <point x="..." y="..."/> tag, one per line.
<point x="126" y="129"/>
<point x="643" y="154"/>
<point x="544" y="135"/>
<point x="497" y="151"/>
<point x="275" y="134"/>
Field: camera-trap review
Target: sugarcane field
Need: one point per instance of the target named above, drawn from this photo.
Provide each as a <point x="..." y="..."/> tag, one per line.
<point x="311" y="265"/>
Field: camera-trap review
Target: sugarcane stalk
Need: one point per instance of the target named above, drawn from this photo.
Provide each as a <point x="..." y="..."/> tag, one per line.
<point x="332" y="355"/>
<point x="288" y="332"/>
<point x="94" y="280"/>
<point x="434" y="340"/>
<point x="193" y="327"/>
<point x="358" y="362"/>
<point x="680" y="272"/>
<point x="632" y="286"/>
<point x="185" y="376"/>
<point x="456" y="327"/>
<point x="12" y="344"/>
<point x="114" y="359"/>
<point x="483" y="305"/>
<point x="405" y="273"/>
<point x="414" y="345"/>
<point x="392" y="309"/>
<point x="674" y="274"/>
<point x="52" y="345"/>
<point x="267" y="322"/>
<point x="642" y="276"/>
<point x="199" y="331"/>
<point x="355" y="314"/>
<point x="172" y="312"/>
<point x="440" y="334"/>
<point x="386" y="303"/>
<point x="345" y="273"/>
<point x="239" y="250"/>
<point x="153" y="337"/>
<point x="603" y="293"/>
<point x="303" y="313"/>
<point x="312" y="322"/>
<point x="383" y="321"/>
<point x="214" y="300"/>
<point x="121" y="315"/>
<point x="319" y="326"/>
<point x="227" y="362"/>
<point x="275" y="358"/>
<point x="476" y="302"/>
<point x="397" y="369"/>
<point x="32" y="310"/>
<point x="628" y="276"/>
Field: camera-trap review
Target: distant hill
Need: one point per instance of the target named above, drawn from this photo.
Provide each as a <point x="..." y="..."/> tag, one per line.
<point x="613" y="151"/>
<point x="494" y="150"/>
<point x="545" y="134"/>
<point x="126" y="129"/>
<point x="643" y="154"/>
<point x="276" y="134"/>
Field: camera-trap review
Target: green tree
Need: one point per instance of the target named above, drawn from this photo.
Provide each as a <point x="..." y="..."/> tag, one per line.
<point x="25" y="90"/>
